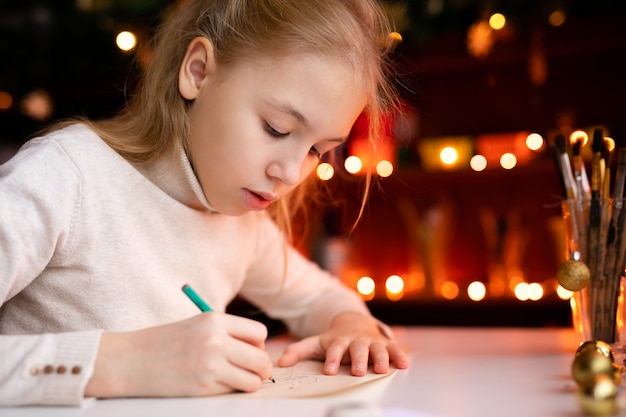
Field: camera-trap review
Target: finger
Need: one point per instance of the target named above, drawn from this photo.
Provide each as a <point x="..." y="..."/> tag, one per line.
<point x="246" y="330"/>
<point x="244" y="356"/>
<point x="397" y="356"/>
<point x="334" y="354"/>
<point x="308" y="348"/>
<point x="359" y="355"/>
<point x="241" y="379"/>
<point x="379" y="357"/>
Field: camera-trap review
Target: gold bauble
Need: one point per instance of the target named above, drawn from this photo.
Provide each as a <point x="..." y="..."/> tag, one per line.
<point x="590" y="364"/>
<point x="597" y="345"/>
<point x="617" y="374"/>
<point x="573" y="275"/>
<point x="599" y="398"/>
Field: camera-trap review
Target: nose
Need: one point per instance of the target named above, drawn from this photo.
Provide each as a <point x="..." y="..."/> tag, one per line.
<point x="287" y="170"/>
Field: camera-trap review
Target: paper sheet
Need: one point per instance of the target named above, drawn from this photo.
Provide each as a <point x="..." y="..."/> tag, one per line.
<point x="306" y="379"/>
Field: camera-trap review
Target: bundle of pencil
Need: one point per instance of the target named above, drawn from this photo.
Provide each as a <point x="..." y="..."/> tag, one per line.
<point x="598" y="227"/>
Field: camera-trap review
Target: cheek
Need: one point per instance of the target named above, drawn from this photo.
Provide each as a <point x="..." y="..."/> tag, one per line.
<point x="308" y="167"/>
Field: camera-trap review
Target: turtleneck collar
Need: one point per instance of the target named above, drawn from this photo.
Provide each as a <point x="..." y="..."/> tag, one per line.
<point x="175" y="176"/>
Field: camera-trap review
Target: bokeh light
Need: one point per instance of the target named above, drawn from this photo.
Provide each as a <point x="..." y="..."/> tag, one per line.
<point x="534" y="141"/>
<point x="325" y="171"/>
<point x="449" y="155"/>
<point x="476" y="291"/>
<point x="6" y="101"/>
<point x="557" y="18"/>
<point x="478" y="163"/>
<point x="497" y="21"/>
<point x="365" y="286"/>
<point x="353" y="164"/>
<point x="449" y="290"/>
<point x="384" y="168"/>
<point x="394" y="284"/>
<point x="126" y="41"/>
<point x="508" y="161"/>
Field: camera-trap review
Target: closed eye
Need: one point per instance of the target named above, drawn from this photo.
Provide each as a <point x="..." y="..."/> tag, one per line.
<point x="273" y="132"/>
<point x="315" y="152"/>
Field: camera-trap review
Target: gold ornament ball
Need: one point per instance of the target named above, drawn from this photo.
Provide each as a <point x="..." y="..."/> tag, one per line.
<point x="590" y="364"/>
<point x="599" y="398"/>
<point x="573" y="275"/>
<point x="617" y="374"/>
<point x="596" y="345"/>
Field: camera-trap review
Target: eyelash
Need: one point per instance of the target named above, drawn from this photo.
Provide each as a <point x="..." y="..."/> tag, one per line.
<point x="273" y="132"/>
<point x="276" y="134"/>
<point x="315" y="152"/>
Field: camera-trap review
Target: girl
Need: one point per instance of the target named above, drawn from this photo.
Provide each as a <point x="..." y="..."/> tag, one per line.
<point x="194" y="182"/>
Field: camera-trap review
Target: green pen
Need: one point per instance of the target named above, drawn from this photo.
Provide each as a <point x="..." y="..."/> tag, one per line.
<point x="197" y="300"/>
<point x="204" y="307"/>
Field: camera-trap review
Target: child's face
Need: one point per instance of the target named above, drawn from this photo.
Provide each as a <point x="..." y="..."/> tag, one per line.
<point x="258" y="128"/>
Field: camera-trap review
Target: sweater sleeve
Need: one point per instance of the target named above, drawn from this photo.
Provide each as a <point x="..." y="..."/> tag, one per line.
<point x="297" y="291"/>
<point x="40" y="192"/>
<point x="46" y="369"/>
<point x="39" y="202"/>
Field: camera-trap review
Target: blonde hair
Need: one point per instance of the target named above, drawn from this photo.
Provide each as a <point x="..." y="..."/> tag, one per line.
<point x="157" y="116"/>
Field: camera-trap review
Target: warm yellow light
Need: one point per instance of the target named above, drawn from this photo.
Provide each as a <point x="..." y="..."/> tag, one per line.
<point x="449" y="155"/>
<point x="38" y="105"/>
<point x="325" y="171"/>
<point x="508" y="161"/>
<point x="579" y="135"/>
<point x="396" y="36"/>
<point x="535" y="291"/>
<point x="476" y="291"/>
<point x="353" y="164"/>
<point x="449" y="290"/>
<point x="365" y="286"/>
<point x="126" y="41"/>
<point x="556" y="18"/>
<point x="610" y="143"/>
<point x="384" y="168"/>
<point x="563" y="293"/>
<point x="497" y="21"/>
<point x="478" y="163"/>
<point x="394" y="284"/>
<point x="534" y="141"/>
<point x="5" y="100"/>
<point x="525" y="291"/>
<point x="521" y="291"/>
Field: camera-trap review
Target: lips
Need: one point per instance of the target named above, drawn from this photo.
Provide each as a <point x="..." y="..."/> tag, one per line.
<point x="257" y="201"/>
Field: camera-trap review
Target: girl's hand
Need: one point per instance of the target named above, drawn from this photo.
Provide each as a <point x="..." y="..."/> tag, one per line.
<point x="352" y="338"/>
<point x="208" y="354"/>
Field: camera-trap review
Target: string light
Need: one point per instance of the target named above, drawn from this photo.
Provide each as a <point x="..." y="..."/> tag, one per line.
<point x="478" y="163"/>
<point x="126" y="41"/>
<point x="384" y="168"/>
<point x="325" y="171"/>
<point x="476" y="291"/>
<point x="508" y="161"/>
<point x="534" y="141"/>
<point x="353" y="164"/>
<point x="497" y="21"/>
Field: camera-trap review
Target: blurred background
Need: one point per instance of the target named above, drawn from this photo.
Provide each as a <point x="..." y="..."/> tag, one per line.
<point x="463" y="226"/>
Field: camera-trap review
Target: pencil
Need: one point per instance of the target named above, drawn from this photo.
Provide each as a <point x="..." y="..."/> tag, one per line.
<point x="202" y="305"/>
<point x="197" y="300"/>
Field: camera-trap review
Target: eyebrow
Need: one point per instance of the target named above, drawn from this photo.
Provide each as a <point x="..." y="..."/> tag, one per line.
<point x="292" y="111"/>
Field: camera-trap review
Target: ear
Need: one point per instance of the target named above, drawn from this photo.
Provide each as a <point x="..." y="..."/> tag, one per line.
<point x="197" y="65"/>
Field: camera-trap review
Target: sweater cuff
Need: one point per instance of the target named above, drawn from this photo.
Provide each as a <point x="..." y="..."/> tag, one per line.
<point x="72" y="368"/>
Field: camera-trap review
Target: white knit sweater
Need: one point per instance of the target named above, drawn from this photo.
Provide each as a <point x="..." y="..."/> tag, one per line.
<point x="92" y="243"/>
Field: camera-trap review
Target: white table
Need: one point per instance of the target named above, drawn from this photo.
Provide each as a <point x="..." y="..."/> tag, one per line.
<point x="455" y="372"/>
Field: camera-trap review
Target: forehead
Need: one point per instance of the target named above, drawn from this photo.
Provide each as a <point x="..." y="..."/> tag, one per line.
<point x="308" y="86"/>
